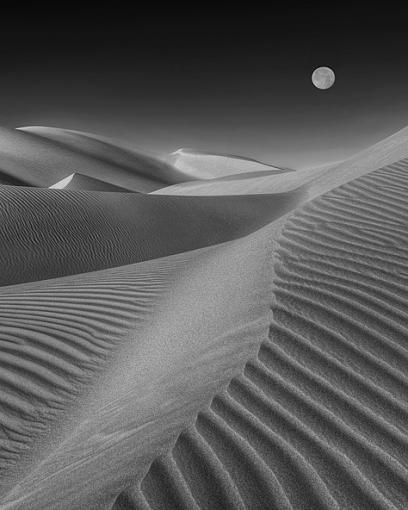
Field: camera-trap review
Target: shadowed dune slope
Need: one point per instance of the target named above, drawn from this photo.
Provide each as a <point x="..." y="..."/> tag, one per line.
<point x="109" y="151"/>
<point x="8" y="180"/>
<point x="314" y="181"/>
<point x="78" y="182"/>
<point x="37" y="161"/>
<point x="319" y="418"/>
<point x="206" y="165"/>
<point x="48" y="233"/>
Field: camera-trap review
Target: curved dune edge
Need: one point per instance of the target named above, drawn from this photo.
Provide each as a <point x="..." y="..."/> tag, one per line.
<point x="26" y="157"/>
<point x="106" y="150"/>
<point x="252" y="183"/>
<point x="319" y="418"/>
<point x="189" y="323"/>
<point x="316" y="181"/>
<point x="63" y="232"/>
<point x="208" y="165"/>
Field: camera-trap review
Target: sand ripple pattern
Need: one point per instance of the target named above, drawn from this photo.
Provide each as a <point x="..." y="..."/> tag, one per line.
<point x="54" y="340"/>
<point x="320" y="419"/>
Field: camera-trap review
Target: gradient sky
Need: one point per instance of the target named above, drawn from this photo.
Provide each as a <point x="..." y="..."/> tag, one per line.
<point x="233" y="82"/>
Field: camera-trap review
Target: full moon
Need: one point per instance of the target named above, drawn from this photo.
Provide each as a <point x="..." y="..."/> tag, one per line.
<point x="323" y="77"/>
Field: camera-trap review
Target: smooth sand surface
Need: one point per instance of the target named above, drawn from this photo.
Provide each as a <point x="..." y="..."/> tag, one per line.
<point x="213" y="352"/>
<point x="206" y="165"/>
<point x="111" y="152"/>
<point x="36" y="160"/>
<point x="79" y="182"/>
<point x="316" y="180"/>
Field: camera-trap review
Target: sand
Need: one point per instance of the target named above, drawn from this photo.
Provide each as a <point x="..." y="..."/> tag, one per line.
<point x="41" y="157"/>
<point x="164" y="351"/>
<point x="63" y="232"/>
<point x="315" y="180"/>
<point x="205" y="165"/>
<point x="79" y="182"/>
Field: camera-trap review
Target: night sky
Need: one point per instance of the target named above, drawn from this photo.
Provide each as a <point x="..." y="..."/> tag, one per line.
<point x="235" y="82"/>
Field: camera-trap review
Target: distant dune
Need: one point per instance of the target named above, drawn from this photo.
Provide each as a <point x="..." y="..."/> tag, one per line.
<point x="206" y="165"/>
<point x="34" y="157"/>
<point x="241" y="350"/>
<point x="108" y="151"/>
<point x="315" y="180"/>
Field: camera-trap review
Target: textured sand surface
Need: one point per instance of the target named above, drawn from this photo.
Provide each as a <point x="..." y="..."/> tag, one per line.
<point x="208" y="352"/>
<point x="62" y="232"/>
<point x="319" y="418"/>
<point x="132" y="354"/>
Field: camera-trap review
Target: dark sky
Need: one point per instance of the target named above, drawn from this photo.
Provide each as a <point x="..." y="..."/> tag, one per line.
<point x="236" y="82"/>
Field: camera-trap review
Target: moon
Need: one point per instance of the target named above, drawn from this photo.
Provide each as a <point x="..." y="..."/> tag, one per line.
<point x="323" y="78"/>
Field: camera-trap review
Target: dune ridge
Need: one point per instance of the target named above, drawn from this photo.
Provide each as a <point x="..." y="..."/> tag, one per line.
<point x="319" y="418"/>
<point x="314" y="181"/>
<point x="62" y="232"/>
<point x="208" y="165"/>
<point x="147" y="361"/>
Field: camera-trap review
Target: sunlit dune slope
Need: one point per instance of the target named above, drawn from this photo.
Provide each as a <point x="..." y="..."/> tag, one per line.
<point x="80" y="182"/>
<point x="241" y="184"/>
<point x="206" y="165"/>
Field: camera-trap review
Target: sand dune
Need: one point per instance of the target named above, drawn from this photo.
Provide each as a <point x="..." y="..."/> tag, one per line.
<point x="207" y="165"/>
<point x="319" y="418"/>
<point x="34" y="160"/>
<point x="108" y="151"/>
<point x="62" y="232"/>
<point x="313" y="180"/>
<point x="207" y="352"/>
<point x="111" y="368"/>
<point x="241" y="184"/>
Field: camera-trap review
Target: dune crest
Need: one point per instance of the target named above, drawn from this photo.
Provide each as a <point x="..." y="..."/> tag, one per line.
<point x="321" y="412"/>
<point x="314" y="181"/>
<point x="62" y="232"/>
<point x="134" y="374"/>
<point x="207" y="165"/>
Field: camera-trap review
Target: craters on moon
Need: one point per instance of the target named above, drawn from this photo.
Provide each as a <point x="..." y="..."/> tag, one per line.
<point x="323" y="78"/>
